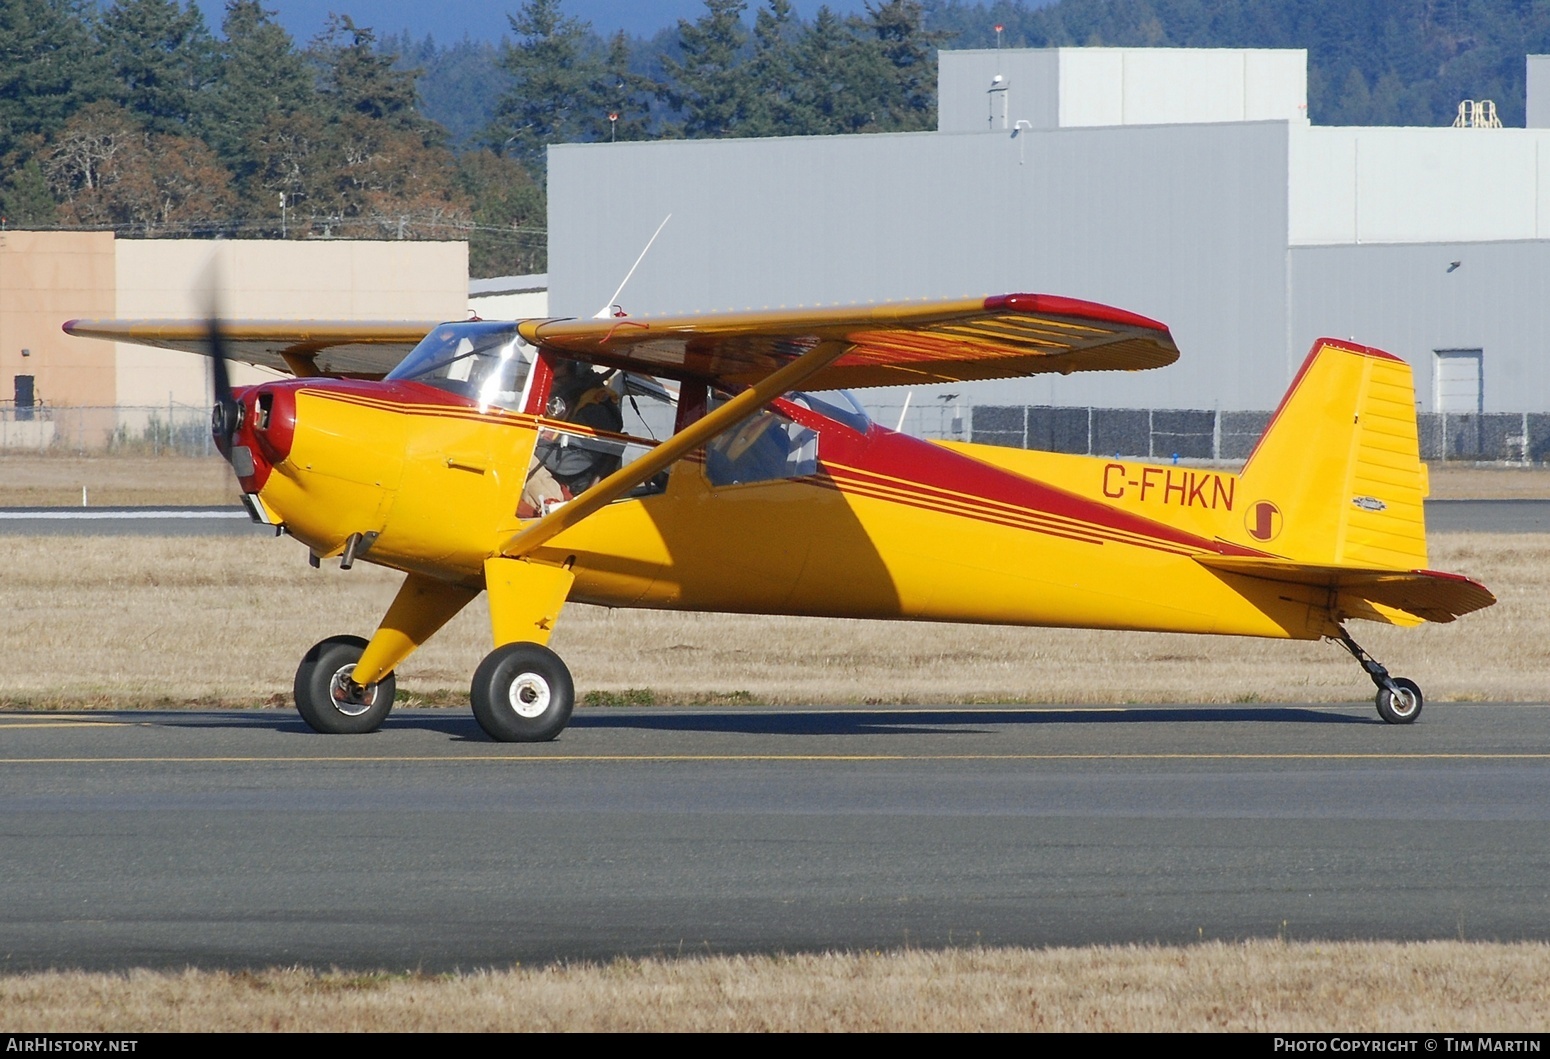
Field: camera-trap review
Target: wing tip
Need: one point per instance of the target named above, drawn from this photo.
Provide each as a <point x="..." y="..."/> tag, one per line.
<point x="1057" y="305"/>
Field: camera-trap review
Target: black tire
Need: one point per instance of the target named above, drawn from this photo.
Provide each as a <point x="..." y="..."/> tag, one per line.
<point x="522" y="693"/>
<point x="1403" y="708"/>
<point x="330" y="706"/>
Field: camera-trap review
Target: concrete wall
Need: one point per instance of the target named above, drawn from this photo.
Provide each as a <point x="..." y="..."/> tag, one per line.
<point x="1183" y="223"/>
<point x="1072" y="87"/>
<point x="288" y="280"/>
<point x="47" y="278"/>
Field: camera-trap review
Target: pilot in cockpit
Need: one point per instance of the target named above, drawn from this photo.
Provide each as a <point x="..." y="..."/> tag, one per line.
<point x="564" y="465"/>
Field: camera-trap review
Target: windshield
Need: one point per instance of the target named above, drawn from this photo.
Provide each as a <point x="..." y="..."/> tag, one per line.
<point x="484" y="361"/>
<point x="839" y="405"/>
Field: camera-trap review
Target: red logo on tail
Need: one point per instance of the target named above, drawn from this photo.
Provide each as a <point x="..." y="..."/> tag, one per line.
<point x="1263" y="521"/>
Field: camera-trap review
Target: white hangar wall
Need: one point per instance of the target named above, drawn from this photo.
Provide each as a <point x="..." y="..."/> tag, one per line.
<point x="1407" y="185"/>
<point x="1185" y="223"/>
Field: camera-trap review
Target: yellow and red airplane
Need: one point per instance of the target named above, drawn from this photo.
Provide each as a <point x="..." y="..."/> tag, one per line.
<point x="517" y="459"/>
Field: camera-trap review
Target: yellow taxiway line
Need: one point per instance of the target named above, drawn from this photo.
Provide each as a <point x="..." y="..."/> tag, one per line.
<point x="12" y="725"/>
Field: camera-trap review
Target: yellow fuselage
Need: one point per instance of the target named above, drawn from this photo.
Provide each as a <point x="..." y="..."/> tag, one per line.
<point x="889" y="527"/>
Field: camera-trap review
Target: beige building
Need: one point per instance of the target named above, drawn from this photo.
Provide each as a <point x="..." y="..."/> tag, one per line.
<point x="47" y="278"/>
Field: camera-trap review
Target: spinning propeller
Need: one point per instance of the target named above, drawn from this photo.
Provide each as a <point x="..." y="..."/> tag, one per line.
<point x="225" y="416"/>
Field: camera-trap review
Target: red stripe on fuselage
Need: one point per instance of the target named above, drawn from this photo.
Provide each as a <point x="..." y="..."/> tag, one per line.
<point x="881" y="464"/>
<point x="940" y="473"/>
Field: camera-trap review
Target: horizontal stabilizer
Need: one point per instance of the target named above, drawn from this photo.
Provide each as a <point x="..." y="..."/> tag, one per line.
<point x="1367" y="592"/>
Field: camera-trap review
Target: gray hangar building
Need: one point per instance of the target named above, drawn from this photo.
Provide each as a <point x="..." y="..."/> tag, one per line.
<point x="1183" y="184"/>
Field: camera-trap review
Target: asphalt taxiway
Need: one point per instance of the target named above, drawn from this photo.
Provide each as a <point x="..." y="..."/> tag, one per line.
<point x="241" y="839"/>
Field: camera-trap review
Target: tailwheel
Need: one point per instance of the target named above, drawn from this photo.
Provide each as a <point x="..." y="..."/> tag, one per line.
<point x="1402" y="703"/>
<point x="333" y="703"/>
<point x="1399" y="699"/>
<point x="522" y="693"/>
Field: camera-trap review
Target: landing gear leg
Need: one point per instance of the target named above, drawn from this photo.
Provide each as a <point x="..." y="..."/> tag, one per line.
<point x="345" y="684"/>
<point x="1399" y="699"/>
<point x="522" y="692"/>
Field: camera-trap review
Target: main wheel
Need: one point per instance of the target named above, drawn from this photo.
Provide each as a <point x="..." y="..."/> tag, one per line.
<point x="1401" y="708"/>
<point x="329" y="701"/>
<point x="522" y="693"/>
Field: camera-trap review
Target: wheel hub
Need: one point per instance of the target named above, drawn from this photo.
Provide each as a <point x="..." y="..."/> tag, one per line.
<point x="350" y="698"/>
<point x="529" y="695"/>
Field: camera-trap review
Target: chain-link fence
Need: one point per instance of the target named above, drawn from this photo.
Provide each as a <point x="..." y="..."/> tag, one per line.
<point x="945" y="420"/>
<point x="1205" y="434"/>
<point x="153" y="430"/>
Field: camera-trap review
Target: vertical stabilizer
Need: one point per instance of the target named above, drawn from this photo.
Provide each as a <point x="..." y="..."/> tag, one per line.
<point x="1337" y="478"/>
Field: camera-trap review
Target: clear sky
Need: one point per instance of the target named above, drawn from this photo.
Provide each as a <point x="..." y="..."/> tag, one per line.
<point x="451" y="20"/>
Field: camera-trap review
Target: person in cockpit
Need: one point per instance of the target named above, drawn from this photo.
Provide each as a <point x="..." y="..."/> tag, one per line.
<point x="564" y="465"/>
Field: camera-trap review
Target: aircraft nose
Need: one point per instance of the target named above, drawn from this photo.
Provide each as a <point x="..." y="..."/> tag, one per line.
<point x="273" y="421"/>
<point x="259" y="433"/>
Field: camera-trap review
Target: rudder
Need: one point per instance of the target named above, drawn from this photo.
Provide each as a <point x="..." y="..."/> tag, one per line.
<point x="1337" y="476"/>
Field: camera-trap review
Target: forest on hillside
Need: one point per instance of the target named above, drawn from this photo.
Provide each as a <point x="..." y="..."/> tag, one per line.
<point x="136" y="116"/>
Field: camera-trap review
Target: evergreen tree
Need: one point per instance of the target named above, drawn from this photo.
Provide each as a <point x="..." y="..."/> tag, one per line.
<point x="260" y="74"/>
<point x="555" y="85"/>
<point x="25" y="200"/>
<point x="509" y="216"/>
<point x="458" y="85"/>
<point x="161" y="56"/>
<point x="826" y="101"/>
<point x="707" y="88"/>
<point x="897" y="63"/>
<point x="294" y="157"/>
<point x="359" y="80"/>
<point x="624" y="97"/>
<point x="49" y="68"/>
<point x="776" y="74"/>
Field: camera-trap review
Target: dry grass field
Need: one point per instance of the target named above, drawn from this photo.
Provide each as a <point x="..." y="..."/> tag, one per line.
<point x="56" y="480"/>
<point x="134" y="621"/>
<point x="1448" y="987"/>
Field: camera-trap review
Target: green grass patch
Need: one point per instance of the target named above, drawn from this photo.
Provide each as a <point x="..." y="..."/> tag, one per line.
<point x="627" y="697"/>
<point x="652" y="697"/>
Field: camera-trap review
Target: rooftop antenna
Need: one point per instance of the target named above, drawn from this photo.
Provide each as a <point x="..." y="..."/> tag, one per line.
<point x="612" y="308"/>
<point x="998" y="84"/>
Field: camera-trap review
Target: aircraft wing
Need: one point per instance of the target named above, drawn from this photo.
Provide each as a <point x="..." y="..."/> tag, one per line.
<point x="1372" y="593"/>
<point x="900" y="343"/>
<point x="306" y="348"/>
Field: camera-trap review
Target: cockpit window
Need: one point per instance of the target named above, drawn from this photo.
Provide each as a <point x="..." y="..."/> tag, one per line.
<point x="487" y="362"/>
<point x="839" y="405"/>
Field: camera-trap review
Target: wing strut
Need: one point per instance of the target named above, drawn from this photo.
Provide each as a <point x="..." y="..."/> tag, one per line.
<point x="675" y="448"/>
